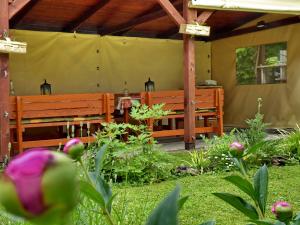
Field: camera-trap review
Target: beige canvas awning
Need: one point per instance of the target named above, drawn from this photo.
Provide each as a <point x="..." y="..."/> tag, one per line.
<point x="266" y="6"/>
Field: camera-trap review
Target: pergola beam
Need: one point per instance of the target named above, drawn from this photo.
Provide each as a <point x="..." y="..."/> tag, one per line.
<point x="270" y="25"/>
<point x="151" y="15"/>
<point x="4" y="83"/>
<point x="190" y="15"/>
<point x="22" y="12"/>
<point x="204" y="16"/>
<point x="265" y="6"/>
<point x="74" y="25"/>
<point x="172" y="11"/>
<point x="16" y="6"/>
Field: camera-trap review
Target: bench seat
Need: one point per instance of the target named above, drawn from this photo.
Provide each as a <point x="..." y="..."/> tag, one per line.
<point x="208" y="103"/>
<point x="57" y="111"/>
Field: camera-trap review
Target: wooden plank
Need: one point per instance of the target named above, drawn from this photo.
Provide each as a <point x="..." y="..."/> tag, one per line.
<point x="190" y="15"/>
<point x="19" y="9"/>
<point x="153" y="14"/>
<point x="172" y="11"/>
<point x="62" y="98"/>
<point x="4" y="84"/>
<point x="61" y="113"/>
<point x="204" y="16"/>
<point x="54" y="142"/>
<point x="74" y="25"/>
<point x="19" y="124"/>
<point x="194" y="29"/>
<point x="38" y="106"/>
<point x="180" y="132"/>
<point x="266" y="6"/>
<point x="16" y="6"/>
<point x="56" y="124"/>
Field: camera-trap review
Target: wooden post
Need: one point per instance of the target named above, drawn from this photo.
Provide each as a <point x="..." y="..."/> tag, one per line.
<point x="190" y="15"/>
<point x="4" y="84"/>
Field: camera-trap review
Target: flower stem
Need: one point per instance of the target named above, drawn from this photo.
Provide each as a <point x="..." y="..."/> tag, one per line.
<point x="105" y="212"/>
<point x="85" y="172"/>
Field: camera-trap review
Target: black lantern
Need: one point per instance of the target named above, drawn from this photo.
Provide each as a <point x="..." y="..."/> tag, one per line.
<point x="149" y="85"/>
<point x="45" y="88"/>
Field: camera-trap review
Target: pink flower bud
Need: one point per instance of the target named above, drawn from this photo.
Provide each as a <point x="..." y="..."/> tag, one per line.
<point x="31" y="184"/>
<point x="283" y="211"/>
<point x="237" y="149"/>
<point x="74" y="148"/>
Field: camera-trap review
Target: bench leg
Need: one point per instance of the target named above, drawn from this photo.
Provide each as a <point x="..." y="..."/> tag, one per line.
<point x="220" y="125"/>
<point x="20" y="139"/>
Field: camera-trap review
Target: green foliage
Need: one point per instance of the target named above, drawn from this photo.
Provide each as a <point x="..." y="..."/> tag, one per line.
<point x="199" y="160"/>
<point x="133" y="156"/>
<point x="290" y="143"/>
<point x="143" y="112"/>
<point x="258" y="192"/>
<point x="256" y="131"/>
<point x="245" y="65"/>
<point x="166" y="212"/>
<point x="217" y="149"/>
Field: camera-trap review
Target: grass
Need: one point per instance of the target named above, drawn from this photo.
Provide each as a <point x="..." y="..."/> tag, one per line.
<point x="201" y="206"/>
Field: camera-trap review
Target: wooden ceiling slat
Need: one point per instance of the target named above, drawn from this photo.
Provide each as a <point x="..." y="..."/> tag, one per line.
<point x="151" y="15"/>
<point x="15" y="6"/>
<point x="23" y="10"/>
<point x="85" y="16"/>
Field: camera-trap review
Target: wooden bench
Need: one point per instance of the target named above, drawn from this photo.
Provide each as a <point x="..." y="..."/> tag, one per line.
<point x="208" y="104"/>
<point x="57" y="111"/>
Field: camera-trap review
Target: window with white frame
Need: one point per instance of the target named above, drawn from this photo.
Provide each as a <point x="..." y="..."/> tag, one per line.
<point x="262" y="64"/>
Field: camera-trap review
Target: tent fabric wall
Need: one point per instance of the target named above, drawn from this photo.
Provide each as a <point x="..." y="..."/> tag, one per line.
<point x="281" y="102"/>
<point x="90" y="63"/>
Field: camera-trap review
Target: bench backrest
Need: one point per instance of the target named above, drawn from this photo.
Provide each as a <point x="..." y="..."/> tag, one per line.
<point x="174" y="100"/>
<point x="61" y="105"/>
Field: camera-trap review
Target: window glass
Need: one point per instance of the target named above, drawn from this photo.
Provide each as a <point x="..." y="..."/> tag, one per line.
<point x="262" y="64"/>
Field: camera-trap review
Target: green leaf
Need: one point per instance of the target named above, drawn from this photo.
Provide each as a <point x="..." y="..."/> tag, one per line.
<point x="240" y="204"/>
<point x="89" y="191"/>
<point x="209" y="223"/>
<point x="181" y="202"/>
<point x="260" y="222"/>
<point x="100" y="158"/>
<point x="261" y="187"/>
<point x="297" y="219"/>
<point x="103" y="188"/>
<point x="166" y="212"/>
<point x="254" y="148"/>
<point x="243" y="184"/>
<point x="279" y="223"/>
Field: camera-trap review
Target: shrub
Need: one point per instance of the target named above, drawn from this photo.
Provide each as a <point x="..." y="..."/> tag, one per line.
<point x="132" y="155"/>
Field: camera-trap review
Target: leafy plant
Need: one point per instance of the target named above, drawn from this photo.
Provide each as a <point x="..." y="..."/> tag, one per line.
<point x="199" y="160"/>
<point x="133" y="155"/>
<point x="256" y="131"/>
<point x="258" y="192"/>
<point x="142" y="112"/>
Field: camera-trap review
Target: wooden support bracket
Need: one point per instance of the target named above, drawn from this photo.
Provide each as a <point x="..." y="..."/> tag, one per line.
<point x="204" y="16"/>
<point x="172" y="11"/>
<point x="16" y="6"/>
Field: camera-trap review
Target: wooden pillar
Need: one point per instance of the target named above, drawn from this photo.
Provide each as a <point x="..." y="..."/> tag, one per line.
<point x="190" y="15"/>
<point x="4" y="84"/>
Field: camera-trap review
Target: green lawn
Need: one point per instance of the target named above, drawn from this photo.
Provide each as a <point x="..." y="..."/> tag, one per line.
<point x="202" y="205"/>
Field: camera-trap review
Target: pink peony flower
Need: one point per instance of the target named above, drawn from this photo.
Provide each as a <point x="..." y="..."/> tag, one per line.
<point x="237" y="149"/>
<point x="283" y="211"/>
<point x="74" y="148"/>
<point x="37" y="182"/>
